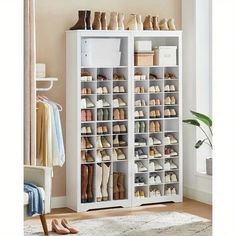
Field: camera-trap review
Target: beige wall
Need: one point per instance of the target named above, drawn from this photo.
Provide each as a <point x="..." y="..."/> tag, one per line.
<point x="53" y="17"/>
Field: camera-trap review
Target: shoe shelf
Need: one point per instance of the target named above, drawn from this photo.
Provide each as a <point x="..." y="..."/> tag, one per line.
<point x="123" y="126"/>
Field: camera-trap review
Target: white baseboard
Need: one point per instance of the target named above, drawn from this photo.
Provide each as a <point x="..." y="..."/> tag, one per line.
<point x="198" y="195"/>
<point x="58" y="202"/>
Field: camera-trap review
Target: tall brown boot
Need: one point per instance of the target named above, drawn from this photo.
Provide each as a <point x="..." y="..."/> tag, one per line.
<point x="104" y="21"/>
<point x="115" y="186"/>
<point x="147" y="24"/>
<point x="81" y="24"/>
<point x="88" y="20"/>
<point x="84" y="183"/>
<point x="90" y="183"/>
<point x="155" y="23"/>
<point x="97" y="21"/>
<point x="121" y="187"/>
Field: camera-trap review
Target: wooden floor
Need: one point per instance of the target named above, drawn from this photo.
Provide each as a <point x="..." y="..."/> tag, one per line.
<point x="189" y="206"/>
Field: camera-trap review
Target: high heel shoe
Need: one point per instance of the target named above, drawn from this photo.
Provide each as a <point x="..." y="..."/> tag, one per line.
<point x="58" y="228"/>
<point x="72" y="230"/>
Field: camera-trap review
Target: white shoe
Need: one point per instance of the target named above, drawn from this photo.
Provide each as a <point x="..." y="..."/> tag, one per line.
<point x="104" y="90"/>
<point x="99" y="103"/>
<point x="152" y="89"/>
<point x="173" y="177"/>
<point x="158" y="179"/>
<point x="167" y="178"/>
<point x="158" y="166"/>
<point x="167" y="165"/>
<point x="114" y="154"/>
<point x="150" y="141"/>
<point x="158" y="193"/>
<point x="152" y="180"/>
<point x="99" y="156"/>
<point x="115" y="102"/>
<point x="136" y="115"/>
<point x="167" y="88"/>
<point x="141" y="167"/>
<point x="83" y="130"/>
<point x="152" y="193"/>
<point x="89" y="104"/>
<point x="83" y="103"/>
<point x="167" y="113"/>
<point x="88" y="130"/>
<point x="172" y="88"/>
<point x="168" y="192"/>
<point x="121" y="102"/>
<point x="157" y="89"/>
<point x="166" y="140"/>
<point x="156" y="141"/>
<point x="116" y="89"/>
<point x="173" y="191"/>
<point x="137" y="77"/>
<point x="173" y="140"/>
<point x="105" y="103"/>
<point x="99" y="142"/>
<point x="173" y="101"/>
<point x="99" y="90"/>
<point x="138" y="103"/>
<point x="122" y="89"/>
<point x="98" y="182"/>
<point x="173" y="165"/>
<point x="151" y="166"/>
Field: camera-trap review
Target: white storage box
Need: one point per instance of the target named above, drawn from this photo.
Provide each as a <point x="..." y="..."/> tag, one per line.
<point x="100" y="45"/>
<point x="165" y="56"/>
<point x="40" y="70"/>
<point x="143" y="46"/>
<point x="92" y="59"/>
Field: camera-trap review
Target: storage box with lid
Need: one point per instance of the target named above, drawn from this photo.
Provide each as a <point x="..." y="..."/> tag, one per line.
<point x="100" y="52"/>
<point x="143" y="46"/>
<point x="165" y="56"/>
<point x="143" y="59"/>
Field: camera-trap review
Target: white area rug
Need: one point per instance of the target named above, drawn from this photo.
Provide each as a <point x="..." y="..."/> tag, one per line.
<point x="161" y="224"/>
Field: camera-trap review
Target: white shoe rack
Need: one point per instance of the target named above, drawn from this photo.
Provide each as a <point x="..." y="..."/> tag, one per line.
<point x="74" y="123"/>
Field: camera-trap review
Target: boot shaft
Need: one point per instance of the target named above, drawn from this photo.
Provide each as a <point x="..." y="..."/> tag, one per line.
<point x="88" y="20"/>
<point x="104" y="21"/>
<point x="97" y="21"/>
<point x="120" y="182"/>
<point x="113" y="24"/>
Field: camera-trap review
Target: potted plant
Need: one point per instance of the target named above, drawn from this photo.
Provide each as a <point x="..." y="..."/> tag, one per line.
<point x="208" y="139"/>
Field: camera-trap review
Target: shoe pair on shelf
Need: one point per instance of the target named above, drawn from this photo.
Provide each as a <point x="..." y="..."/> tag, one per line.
<point x="119" y="129"/>
<point x="101" y="77"/>
<point x="140" y="194"/>
<point x="103" y="114"/>
<point x="102" y="90"/>
<point x="154" y="179"/>
<point x="140" y="103"/>
<point x="154" y="126"/>
<point x="87" y="174"/>
<point x="119" y="89"/>
<point x="102" y="103"/>
<point x="170" y="165"/>
<point x="63" y="227"/>
<point x="86" y="157"/>
<point x="86" y="130"/>
<point x="170" y="191"/>
<point x="139" y="154"/>
<point x="118" y="186"/>
<point x="155" y="102"/>
<point x="140" y="127"/>
<point x="170" y="139"/>
<point x="102" y="130"/>
<point x="141" y="142"/>
<point x="86" y="91"/>
<point x="170" y="100"/>
<point x="102" y="155"/>
<point x="84" y="21"/>
<point x="155" y="193"/>
<point x="139" y="181"/>
<point x="167" y="24"/>
<point x="154" y="153"/>
<point x="139" y="90"/>
<point x="154" y="89"/>
<point x="118" y="154"/>
<point x="119" y="114"/>
<point x="139" y="114"/>
<point x="170" y="152"/>
<point x="153" y="77"/>
<point x="86" y="115"/>
<point x="139" y="76"/>
<point x="139" y="167"/>
<point x="155" y="114"/>
<point x="86" y="103"/>
<point x="85" y="143"/>
<point x="118" y="76"/>
<point x="155" y="166"/>
<point x="169" y="75"/>
<point x="169" y="88"/>
<point x="119" y="142"/>
<point x="102" y="142"/>
<point x="170" y="113"/>
<point x="170" y="178"/>
<point x="154" y="141"/>
<point x="86" y="76"/>
<point x="119" y="102"/>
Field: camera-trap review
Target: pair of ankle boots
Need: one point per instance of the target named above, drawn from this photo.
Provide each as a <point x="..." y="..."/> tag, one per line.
<point x="118" y="186"/>
<point x="84" y="21"/>
<point x="87" y="172"/>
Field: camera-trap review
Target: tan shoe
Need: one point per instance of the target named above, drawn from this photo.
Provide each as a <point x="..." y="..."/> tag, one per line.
<point x="173" y="113"/>
<point x="147" y="24"/>
<point x="152" y="102"/>
<point x="58" y="228"/>
<point x="116" y="129"/>
<point x="120" y="154"/>
<point x="152" y="127"/>
<point x="163" y="24"/>
<point x="155" y="23"/>
<point x="157" y="127"/>
<point x="72" y="230"/>
<point x="104" y="21"/>
<point x="122" y="114"/>
<point x="171" y="24"/>
<point x="99" y="130"/>
<point x="158" y="113"/>
<point x="121" y="186"/>
<point x="113" y="24"/>
<point x="83" y="143"/>
<point x="173" y="101"/>
<point x="132" y="23"/>
<point x="152" y="114"/>
<point x="123" y="129"/>
<point x="104" y="129"/>
<point x="88" y="144"/>
<point x="167" y="100"/>
<point x="116" y="114"/>
<point x="167" y="113"/>
<point x="88" y="157"/>
<point x="157" y="102"/>
<point x="97" y="21"/>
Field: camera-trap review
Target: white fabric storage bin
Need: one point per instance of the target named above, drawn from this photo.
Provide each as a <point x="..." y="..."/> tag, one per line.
<point x="100" y="45"/>
<point x="40" y="70"/>
<point x="165" y="56"/>
<point x="143" y="46"/>
<point x="106" y="58"/>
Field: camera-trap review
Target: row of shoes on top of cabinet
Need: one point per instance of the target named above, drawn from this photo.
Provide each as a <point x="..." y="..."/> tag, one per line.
<point x="116" y="22"/>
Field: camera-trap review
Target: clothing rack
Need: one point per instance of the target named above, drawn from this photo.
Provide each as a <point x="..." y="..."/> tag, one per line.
<point x="49" y="79"/>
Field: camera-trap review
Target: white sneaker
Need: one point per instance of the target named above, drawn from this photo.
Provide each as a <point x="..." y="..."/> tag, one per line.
<point x="173" y="177"/>
<point x="89" y="104"/>
<point x="152" y="180"/>
<point x="99" y="90"/>
<point x="104" y="90"/>
<point x="158" y="179"/>
<point x="157" y="89"/>
<point x="158" y="193"/>
<point x="83" y="103"/>
<point x="122" y="89"/>
<point x="121" y="102"/>
<point x="173" y="140"/>
<point x="141" y="167"/>
<point x="173" y="165"/>
<point x="116" y="89"/>
<point x="156" y="141"/>
<point x="152" y="89"/>
<point x="168" y="192"/>
<point x="115" y="102"/>
<point x="167" y="88"/>
<point x="166" y="140"/>
<point x="158" y="166"/>
<point x="152" y="193"/>
<point x="105" y="103"/>
<point x="151" y="166"/>
<point x="167" y="178"/>
<point x="173" y="191"/>
<point x="172" y="88"/>
<point x="99" y="103"/>
<point x="167" y="165"/>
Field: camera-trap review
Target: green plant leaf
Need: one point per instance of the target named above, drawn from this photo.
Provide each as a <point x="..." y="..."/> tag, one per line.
<point x="205" y="119"/>
<point x="199" y="143"/>
<point x="192" y="122"/>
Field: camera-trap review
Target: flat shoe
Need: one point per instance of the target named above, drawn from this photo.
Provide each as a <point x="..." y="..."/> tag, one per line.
<point x="72" y="230"/>
<point x="58" y="228"/>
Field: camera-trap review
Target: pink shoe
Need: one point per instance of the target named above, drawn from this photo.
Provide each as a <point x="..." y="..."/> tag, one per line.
<point x="58" y="228"/>
<point x="72" y="230"/>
